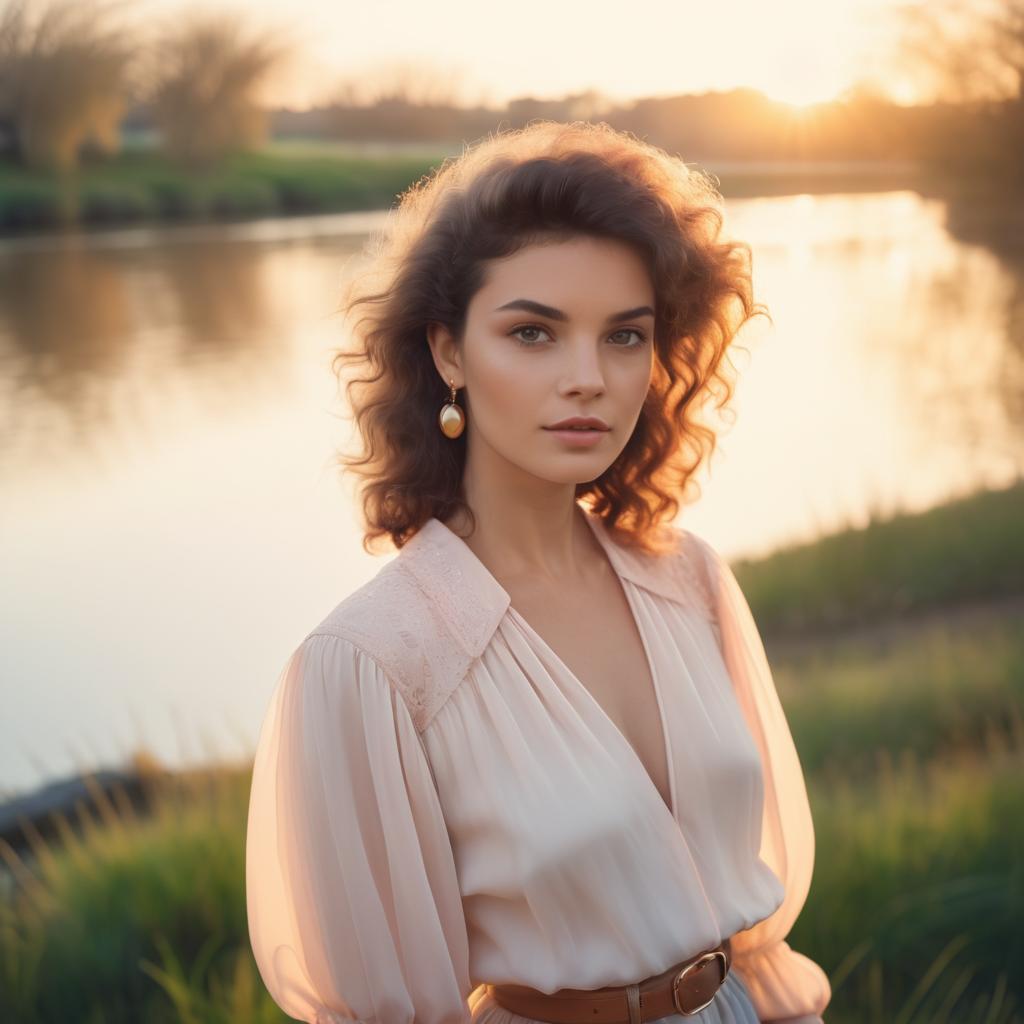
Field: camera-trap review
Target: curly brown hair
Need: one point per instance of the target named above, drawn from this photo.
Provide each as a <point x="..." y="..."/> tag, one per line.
<point x="548" y="181"/>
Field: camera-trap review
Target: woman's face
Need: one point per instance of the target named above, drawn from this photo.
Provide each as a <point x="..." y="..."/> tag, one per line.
<point x="558" y="330"/>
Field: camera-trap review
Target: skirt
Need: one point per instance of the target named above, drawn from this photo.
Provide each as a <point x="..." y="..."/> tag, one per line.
<point x="731" y="1005"/>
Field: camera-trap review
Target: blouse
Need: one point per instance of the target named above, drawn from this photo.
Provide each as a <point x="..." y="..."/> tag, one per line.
<point x="438" y="803"/>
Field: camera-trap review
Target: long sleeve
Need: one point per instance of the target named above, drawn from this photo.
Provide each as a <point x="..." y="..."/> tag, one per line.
<point x="353" y="903"/>
<point x="784" y="985"/>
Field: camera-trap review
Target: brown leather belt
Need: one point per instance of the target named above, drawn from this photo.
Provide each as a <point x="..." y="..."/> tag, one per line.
<point x="685" y="988"/>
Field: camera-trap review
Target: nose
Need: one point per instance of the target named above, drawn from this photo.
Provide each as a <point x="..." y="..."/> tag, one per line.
<point x="582" y="372"/>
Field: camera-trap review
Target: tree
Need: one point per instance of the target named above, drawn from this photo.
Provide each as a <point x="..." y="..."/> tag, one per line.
<point x="62" y="80"/>
<point x="402" y="81"/>
<point x="969" y="54"/>
<point x="203" y="81"/>
<point x="965" y="50"/>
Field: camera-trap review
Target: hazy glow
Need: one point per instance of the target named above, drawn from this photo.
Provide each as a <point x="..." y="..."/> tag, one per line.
<point x="794" y="50"/>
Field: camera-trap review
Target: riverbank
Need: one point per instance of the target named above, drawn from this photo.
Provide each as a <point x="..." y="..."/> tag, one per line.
<point x="139" y="186"/>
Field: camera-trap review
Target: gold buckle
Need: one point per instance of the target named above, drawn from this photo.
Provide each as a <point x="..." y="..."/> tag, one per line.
<point x="695" y="965"/>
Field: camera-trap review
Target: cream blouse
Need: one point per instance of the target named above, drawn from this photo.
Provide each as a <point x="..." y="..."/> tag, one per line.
<point x="438" y="803"/>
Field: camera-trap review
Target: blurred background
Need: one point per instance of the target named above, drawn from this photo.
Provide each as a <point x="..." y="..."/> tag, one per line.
<point x="183" y="191"/>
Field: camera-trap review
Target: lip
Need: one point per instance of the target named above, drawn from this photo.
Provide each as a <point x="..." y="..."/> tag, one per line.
<point x="592" y="433"/>
<point x="593" y="422"/>
<point x="578" y="438"/>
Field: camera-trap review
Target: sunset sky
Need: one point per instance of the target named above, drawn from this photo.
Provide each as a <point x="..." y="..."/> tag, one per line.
<point x="800" y="52"/>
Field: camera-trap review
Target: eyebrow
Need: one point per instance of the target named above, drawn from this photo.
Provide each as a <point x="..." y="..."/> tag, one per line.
<point x="556" y="314"/>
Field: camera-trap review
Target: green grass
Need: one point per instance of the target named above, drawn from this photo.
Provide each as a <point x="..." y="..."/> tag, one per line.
<point x="300" y="176"/>
<point x="137" y="918"/>
<point x="927" y="689"/>
<point x="963" y="551"/>
<point x="911" y="734"/>
<point x="923" y="861"/>
<point x="141" y="186"/>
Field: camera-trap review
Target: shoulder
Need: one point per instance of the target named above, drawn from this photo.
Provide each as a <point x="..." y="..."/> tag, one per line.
<point x="391" y="620"/>
<point x="682" y="569"/>
<point x="694" y="566"/>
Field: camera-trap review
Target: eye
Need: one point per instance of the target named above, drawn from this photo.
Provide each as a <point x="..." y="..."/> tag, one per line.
<point x="640" y="337"/>
<point x="515" y="332"/>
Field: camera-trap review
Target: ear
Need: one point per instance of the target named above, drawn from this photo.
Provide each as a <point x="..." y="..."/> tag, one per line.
<point x="446" y="353"/>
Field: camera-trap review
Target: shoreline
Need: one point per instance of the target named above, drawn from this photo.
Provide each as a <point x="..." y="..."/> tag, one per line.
<point x="141" y="189"/>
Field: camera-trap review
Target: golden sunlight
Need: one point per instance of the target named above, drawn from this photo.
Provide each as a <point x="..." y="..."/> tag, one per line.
<point x="802" y="96"/>
<point x="796" y="51"/>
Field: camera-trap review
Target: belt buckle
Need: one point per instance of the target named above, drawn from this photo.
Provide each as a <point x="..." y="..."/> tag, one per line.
<point x="695" y="965"/>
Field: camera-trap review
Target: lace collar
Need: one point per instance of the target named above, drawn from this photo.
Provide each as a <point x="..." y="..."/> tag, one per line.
<point x="473" y="602"/>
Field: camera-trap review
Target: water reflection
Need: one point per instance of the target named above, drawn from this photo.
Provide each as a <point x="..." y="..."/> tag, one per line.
<point x="112" y="332"/>
<point x="172" y="521"/>
<point x="890" y="379"/>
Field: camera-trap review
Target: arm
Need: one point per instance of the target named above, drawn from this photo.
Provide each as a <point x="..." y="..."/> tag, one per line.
<point x="784" y="985"/>
<point x="353" y="902"/>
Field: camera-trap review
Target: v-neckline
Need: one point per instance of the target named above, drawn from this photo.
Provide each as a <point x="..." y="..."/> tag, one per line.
<point x="603" y="542"/>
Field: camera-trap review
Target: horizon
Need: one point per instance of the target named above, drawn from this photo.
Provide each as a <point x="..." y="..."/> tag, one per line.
<point x="798" y="53"/>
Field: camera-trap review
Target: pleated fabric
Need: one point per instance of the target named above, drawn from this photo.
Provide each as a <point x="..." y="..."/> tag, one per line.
<point x="422" y="826"/>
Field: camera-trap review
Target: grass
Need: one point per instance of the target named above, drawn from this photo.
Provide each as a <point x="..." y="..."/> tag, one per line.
<point x="923" y="863"/>
<point x="286" y="177"/>
<point x="967" y="550"/>
<point x="931" y="689"/>
<point x="141" y="186"/>
<point x="910" y="729"/>
<point x="138" y="918"/>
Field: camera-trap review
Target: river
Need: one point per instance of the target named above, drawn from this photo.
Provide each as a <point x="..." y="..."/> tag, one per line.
<point x="172" y="522"/>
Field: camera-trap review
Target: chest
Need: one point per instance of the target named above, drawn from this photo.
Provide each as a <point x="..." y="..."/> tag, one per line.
<point x="596" y="637"/>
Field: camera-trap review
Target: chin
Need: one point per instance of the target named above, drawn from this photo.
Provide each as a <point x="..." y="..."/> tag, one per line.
<point x="574" y="468"/>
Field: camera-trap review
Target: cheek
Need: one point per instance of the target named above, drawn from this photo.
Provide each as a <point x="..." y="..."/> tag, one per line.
<point x="634" y="377"/>
<point x="508" y="390"/>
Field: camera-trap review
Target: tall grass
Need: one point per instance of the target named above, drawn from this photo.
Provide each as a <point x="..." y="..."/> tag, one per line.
<point x="929" y="688"/>
<point x="142" y="186"/>
<point x="964" y="550"/>
<point x="113" y="920"/>
<point x="919" y="887"/>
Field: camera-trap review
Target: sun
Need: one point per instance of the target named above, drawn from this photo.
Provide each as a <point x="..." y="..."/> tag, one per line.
<point x="803" y="77"/>
<point x="802" y="96"/>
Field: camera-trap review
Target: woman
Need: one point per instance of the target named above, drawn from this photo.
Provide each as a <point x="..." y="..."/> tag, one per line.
<point x="536" y="768"/>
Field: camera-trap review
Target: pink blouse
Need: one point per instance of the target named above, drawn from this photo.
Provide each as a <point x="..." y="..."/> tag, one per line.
<point x="438" y="803"/>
